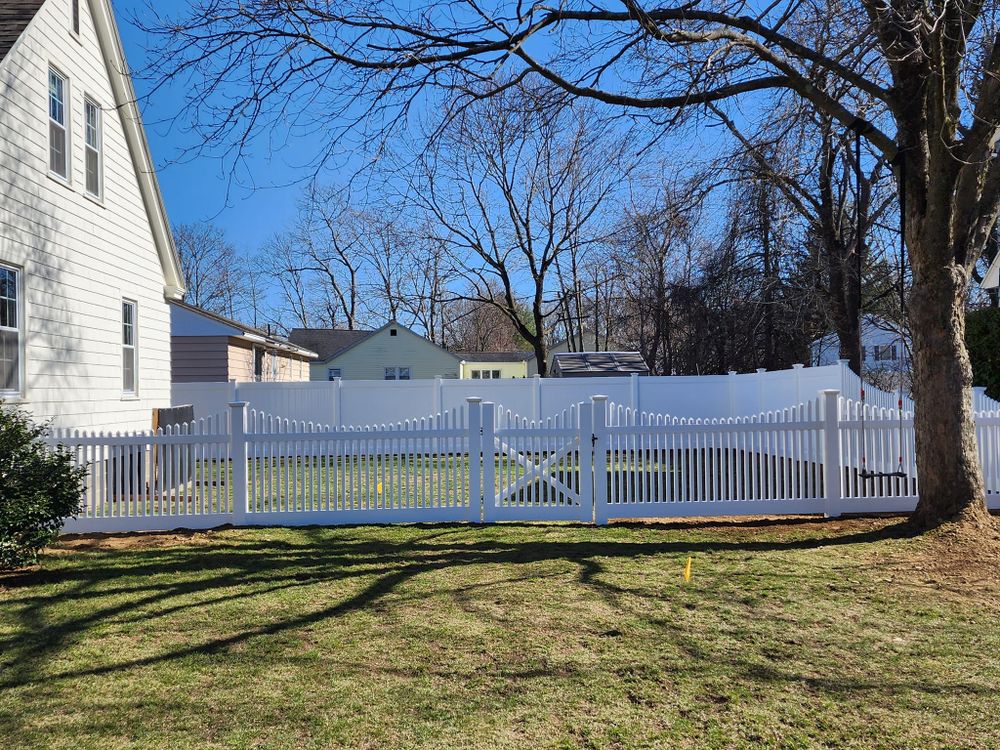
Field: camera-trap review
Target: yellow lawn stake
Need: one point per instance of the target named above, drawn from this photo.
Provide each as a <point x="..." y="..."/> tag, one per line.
<point x="687" y="570"/>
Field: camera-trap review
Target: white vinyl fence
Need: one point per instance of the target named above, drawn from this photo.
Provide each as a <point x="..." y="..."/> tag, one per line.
<point x="592" y="462"/>
<point x="352" y="402"/>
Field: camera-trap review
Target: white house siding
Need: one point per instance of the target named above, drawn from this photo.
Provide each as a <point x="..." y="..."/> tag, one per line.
<point x="79" y="258"/>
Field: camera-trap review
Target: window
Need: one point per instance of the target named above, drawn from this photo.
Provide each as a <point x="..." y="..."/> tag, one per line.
<point x="485" y="374"/>
<point x="885" y="353"/>
<point x="258" y="363"/>
<point x="332" y="373"/>
<point x="11" y="335"/>
<point x="58" y="138"/>
<point x="129" y="347"/>
<point x="92" y="146"/>
<point x="275" y="367"/>
<point x="392" y="331"/>
<point x="397" y="373"/>
<point x="76" y="16"/>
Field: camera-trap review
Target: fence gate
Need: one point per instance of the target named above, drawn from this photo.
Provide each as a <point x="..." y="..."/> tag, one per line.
<point x="538" y="470"/>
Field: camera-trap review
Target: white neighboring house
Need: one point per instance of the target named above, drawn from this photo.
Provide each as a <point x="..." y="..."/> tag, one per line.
<point x="87" y="261"/>
<point x="992" y="278"/>
<point x="880" y="347"/>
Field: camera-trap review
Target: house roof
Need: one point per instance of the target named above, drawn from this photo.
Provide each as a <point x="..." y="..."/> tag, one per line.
<point x="15" y="15"/>
<point x="495" y="356"/>
<point x="598" y="363"/>
<point x="332" y="342"/>
<point x="327" y="342"/>
<point x="255" y="335"/>
<point x="992" y="278"/>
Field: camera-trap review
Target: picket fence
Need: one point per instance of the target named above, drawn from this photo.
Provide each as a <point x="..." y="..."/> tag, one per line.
<point x="592" y="462"/>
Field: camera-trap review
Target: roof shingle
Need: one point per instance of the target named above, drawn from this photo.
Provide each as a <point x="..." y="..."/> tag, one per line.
<point x="326" y="342"/>
<point x="15" y="15"/>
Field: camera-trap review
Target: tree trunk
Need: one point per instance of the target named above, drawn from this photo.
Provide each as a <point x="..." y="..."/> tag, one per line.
<point x="951" y="483"/>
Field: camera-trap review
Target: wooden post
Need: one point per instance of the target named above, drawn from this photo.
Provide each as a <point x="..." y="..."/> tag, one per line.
<point x="600" y="460"/>
<point x="832" y="477"/>
<point x="475" y="458"/>
<point x="238" y="454"/>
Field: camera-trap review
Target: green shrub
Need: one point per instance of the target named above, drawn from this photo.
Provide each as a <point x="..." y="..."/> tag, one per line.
<point x="982" y="336"/>
<point x="39" y="488"/>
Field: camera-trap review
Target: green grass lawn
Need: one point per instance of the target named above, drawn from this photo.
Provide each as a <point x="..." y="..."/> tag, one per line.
<point x="794" y="635"/>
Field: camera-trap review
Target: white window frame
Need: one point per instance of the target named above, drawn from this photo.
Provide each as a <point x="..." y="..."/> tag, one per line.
<point x="17" y="392"/>
<point x="98" y="150"/>
<point x="395" y="372"/>
<point x="132" y="349"/>
<point x="65" y="124"/>
<point x="330" y="373"/>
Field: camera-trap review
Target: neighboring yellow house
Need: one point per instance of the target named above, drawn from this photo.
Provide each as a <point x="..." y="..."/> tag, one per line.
<point x="494" y="365"/>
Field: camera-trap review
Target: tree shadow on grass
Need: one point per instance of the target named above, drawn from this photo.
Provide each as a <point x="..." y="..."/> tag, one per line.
<point x="136" y="585"/>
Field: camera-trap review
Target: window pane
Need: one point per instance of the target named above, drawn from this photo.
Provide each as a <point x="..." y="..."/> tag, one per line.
<point x="390" y="373"/>
<point x="475" y="374"/>
<point x="128" y="369"/>
<point x="404" y="373"/>
<point x="8" y="298"/>
<point x="76" y="16"/>
<point x="91" y="117"/>
<point x="9" y="361"/>
<point x="57" y="149"/>
<point x="56" y="109"/>
<point x="93" y="173"/>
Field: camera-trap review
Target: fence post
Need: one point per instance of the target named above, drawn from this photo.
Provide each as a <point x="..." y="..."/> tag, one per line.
<point x="585" y="425"/>
<point x="238" y="454"/>
<point x="489" y="462"/>
<point x="797" y="372"/>
<point x="536" y="398"/>
<point x="600" y="427"/>
<point x="731" y="384"/>
<point x="475" y="458"/>
<point x="978" y="398"/>
<point x="844" y="370"/>
<point x="338" y="417"/>
<point x="760" y="389"/>
<point x="832" y="477"/>
<point x="633" y="391"/>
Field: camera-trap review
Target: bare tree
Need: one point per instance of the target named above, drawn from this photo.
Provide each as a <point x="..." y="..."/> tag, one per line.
<point x="515" y="188"/>
<point x="211" y="268"/>
<point x="933" y="65"/>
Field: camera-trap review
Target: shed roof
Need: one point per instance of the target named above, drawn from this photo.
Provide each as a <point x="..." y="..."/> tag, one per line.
<point x="597" y="364"/>
<point x="251" y="333"/>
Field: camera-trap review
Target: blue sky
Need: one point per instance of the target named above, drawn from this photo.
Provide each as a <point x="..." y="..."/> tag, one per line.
<point x="196" y="189"/>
